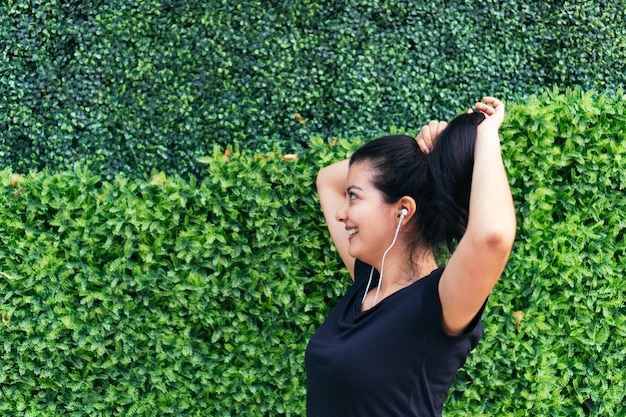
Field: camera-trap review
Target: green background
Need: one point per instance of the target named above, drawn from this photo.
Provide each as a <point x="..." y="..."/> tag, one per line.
<point x="173" y="297"/>
<point x="159" y="254"/>
<point x="130" y="86"/>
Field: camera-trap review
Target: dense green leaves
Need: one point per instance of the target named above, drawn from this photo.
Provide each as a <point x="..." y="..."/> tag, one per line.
<point x="555" y="325"/>
<point x="174" y="297"/>
<point x="130" y="86"/>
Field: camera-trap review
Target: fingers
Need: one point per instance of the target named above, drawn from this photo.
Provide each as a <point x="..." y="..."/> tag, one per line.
<point x="482" y="107"/>
<point x="493" y="109"/>
<point x="427" y="137"/>
<point x="490" y="105"/>
<point x="493" y="101"/>
<point x="424" y="141"/>
<point x="440" y="127"/>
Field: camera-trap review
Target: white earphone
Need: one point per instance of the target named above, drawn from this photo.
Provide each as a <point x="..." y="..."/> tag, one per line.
<point x="403" y="213"/>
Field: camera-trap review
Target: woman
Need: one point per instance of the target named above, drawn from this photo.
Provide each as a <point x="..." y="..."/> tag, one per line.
<point x="394" y="342"/>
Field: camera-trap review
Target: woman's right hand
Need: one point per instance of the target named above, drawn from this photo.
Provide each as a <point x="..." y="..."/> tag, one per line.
<point x="427" y="137"/>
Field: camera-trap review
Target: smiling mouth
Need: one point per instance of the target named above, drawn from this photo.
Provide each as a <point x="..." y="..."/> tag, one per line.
<point x="352" y="232"/>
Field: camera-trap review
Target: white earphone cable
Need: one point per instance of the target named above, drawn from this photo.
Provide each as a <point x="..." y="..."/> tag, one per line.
<point x="382" y="266"/>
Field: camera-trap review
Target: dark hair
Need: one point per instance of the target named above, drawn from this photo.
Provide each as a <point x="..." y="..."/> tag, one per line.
<point x="439" y="182"/>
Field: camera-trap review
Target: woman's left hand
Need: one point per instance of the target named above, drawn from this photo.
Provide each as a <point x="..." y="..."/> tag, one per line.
<point x="493" y="109"/>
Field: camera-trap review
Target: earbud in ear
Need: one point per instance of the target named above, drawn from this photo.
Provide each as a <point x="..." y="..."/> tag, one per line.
<point x="404" y="212"/>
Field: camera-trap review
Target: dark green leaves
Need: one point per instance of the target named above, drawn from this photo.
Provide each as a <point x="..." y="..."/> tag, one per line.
<point x="133" y="87"/>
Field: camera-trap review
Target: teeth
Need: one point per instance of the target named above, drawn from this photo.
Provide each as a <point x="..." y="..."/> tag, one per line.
<point x="352" y="231"/>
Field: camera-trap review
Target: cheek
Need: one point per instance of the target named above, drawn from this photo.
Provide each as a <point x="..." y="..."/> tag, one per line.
<point x="360" y="214"/>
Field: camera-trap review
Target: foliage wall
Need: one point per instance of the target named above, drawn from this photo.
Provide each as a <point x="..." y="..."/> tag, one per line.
<point x="184" y="298"/>
<point x="129" y="86"/>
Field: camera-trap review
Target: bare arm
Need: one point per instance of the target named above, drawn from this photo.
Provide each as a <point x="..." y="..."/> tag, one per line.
<point x="331" y="188"/>
<point x="479" y="259"/>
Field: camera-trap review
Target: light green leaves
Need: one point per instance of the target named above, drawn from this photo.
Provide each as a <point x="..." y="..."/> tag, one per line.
<point x="163" y="296"/>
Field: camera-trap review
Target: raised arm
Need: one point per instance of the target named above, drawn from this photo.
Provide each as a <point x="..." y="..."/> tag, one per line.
<point x="331" y="188"/>
<point x="483" y="251"/>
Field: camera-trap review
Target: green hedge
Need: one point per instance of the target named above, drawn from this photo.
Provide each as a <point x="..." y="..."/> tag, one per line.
<point x="174" y="297"/>
<point x="565" y="156"/>
<point x="129" y="86"/>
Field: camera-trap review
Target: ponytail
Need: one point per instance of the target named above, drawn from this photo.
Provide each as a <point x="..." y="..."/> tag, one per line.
<point x="451" y="164"/>
<point x="439" y="182"/>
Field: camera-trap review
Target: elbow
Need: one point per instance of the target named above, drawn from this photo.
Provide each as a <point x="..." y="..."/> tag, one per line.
<point x="333" y="177"/>
<point x="327" y="177"/>
<point x="497" y="238"/>
<point x="321" y="179"/>
<point x="499" y="241"/>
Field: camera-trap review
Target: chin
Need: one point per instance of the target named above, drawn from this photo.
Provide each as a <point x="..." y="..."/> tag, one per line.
<point x="354" y="252"/>
<point x="360" y="256"/>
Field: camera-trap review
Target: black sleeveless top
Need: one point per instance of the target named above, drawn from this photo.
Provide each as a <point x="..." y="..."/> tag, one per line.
<point x="394" y="359"/>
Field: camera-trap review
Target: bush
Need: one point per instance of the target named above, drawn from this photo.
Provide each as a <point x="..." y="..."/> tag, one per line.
<point x="556" y="322"/>
<point x="173" y="297"/>
<point x="161" y="297"/>
<point x="130" y="86"/>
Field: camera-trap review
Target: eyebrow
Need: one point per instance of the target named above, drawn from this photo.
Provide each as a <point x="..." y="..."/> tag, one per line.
<point x="353" y="187"/>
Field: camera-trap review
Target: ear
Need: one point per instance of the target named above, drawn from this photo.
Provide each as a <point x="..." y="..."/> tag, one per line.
<point x="407" y="203"/>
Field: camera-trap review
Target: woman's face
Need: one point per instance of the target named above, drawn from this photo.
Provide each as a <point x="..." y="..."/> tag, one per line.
<point x="370" y="222"/>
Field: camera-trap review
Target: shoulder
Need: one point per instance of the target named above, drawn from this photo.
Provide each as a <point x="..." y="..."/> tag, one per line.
<point x="430" y="310"/>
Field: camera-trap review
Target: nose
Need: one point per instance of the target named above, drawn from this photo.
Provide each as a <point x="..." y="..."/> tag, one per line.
<point x="342" y="214"/>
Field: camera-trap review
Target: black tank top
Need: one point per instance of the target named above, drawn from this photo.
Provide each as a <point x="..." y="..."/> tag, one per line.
<point x="394" y="359"/>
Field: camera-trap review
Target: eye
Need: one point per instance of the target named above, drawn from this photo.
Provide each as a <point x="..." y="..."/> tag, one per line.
<point x="351" y="196"/>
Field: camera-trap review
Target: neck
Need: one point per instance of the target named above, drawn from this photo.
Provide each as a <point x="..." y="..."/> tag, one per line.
<point x="399" y="270"/>
<point x="402" y="267"/>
